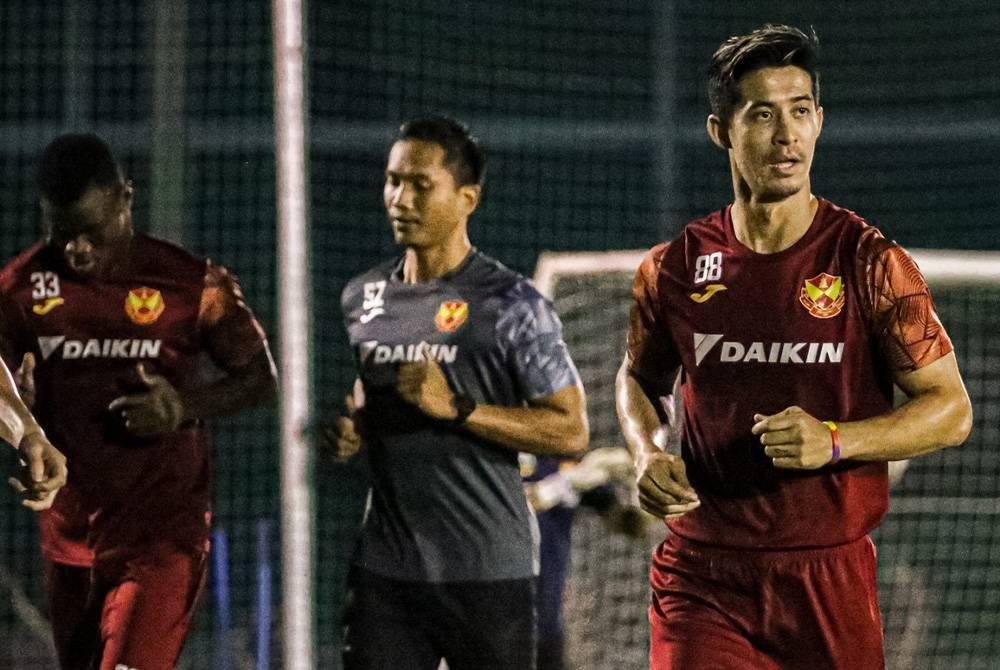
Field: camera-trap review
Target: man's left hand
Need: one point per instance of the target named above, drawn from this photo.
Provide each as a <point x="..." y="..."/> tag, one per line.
<point x="157" y="410"/>
<point x="793" y="439"/>
<point x="43" y="472"/>
<point x="424" y="385"/>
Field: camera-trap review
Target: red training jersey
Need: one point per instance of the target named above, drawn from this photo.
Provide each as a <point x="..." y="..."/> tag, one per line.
<point x="822" y="325"/>
<point x="164" y="308"/>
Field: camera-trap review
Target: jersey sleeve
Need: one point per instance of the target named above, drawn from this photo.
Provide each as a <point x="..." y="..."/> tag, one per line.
<point x="903" y="320"/>
<point x="538" y="356"/>
<point x="231" y="334"/>
<point x="652" y="356"/>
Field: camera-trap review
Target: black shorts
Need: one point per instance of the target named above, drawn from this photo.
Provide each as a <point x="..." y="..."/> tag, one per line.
<point x="413" y="625"/>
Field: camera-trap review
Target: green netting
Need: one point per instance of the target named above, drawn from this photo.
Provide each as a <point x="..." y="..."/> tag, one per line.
<point x="593" y="114"/>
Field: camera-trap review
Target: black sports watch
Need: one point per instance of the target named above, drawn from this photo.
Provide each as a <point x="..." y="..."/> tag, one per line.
<point x="464" y="405"/>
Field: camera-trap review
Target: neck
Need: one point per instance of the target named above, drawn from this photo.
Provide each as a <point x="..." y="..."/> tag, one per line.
<point x="425" y="263"/>
<point x="770" y="227"/>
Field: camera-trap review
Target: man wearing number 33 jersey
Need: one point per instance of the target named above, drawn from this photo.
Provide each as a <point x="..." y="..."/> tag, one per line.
<point x="107" y="328"/>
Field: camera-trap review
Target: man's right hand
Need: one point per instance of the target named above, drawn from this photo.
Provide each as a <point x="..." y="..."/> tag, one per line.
<point x="24" y="378"/>
<point x="43" y="472"/>
<point x="664" y="490"/>
<point x="342" y="439"/>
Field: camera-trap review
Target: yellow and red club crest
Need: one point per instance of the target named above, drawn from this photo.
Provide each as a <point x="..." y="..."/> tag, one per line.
<point x="823" y="295"/>
<point x="144" y="305"/>
<point x="451" y="315"/>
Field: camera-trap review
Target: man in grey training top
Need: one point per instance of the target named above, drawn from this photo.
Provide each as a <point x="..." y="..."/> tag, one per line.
<point x="461" y="365"/>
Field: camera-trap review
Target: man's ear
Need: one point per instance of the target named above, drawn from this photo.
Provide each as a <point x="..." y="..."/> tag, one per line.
<point x="470" y="196"/>
<point x="718" y="130"/>
<point x="128" y="193"/>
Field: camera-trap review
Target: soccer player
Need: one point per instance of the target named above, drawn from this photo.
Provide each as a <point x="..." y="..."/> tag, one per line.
<point x="461" y="365"/>
<point x="111" y="326"/>
<point x="791" y="319"/>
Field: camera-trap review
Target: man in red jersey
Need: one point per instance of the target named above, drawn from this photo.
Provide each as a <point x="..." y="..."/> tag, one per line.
<point x="110" y="327"/>
<point x="790" y="319"/>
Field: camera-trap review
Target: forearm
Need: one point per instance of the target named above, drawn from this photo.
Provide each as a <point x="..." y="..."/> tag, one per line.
<point x="636" y="414"/>
<point x="557" y="429"/>
<point x="252" y="386"/>
<point x="924" y="424"/>
<point x="16" y="420"/>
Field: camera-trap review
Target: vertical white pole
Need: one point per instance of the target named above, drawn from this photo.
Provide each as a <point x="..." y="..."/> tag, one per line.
<point x="168" y="149"/>
<point x="296" y="383"/>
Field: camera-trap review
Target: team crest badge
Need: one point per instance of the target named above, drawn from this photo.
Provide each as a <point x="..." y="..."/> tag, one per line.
<point x="451" y="315"/>
<point x="144" y="305"/>
<point x="823" y="295"/>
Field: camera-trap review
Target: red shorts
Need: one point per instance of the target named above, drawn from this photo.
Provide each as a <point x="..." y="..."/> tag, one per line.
<point x="148" y="602"/>
<point x="725" y="609"/>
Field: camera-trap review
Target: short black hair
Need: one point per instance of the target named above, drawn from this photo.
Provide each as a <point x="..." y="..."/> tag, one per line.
<point x="463" y="155"/>
<point x="772" y="45"/>
<point x="73" y="163"/>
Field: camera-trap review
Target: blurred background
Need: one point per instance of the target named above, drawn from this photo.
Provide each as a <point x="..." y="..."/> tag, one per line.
<point x="593" y="116"/>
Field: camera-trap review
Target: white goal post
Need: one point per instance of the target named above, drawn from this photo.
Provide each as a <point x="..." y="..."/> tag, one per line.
<point x="938" y="266"/>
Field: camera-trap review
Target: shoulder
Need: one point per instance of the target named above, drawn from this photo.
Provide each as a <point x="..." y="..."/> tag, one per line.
<point x="852" y="229"/>
<point x="708" y="228"/>
<point x="355" y="285"/>
<point x="514" y="298"/>
<point x="653" y="260"/>
<point x="24" y="262"/>
<point x="488" y="273"/>
<point x="490" y="277"/>
<point x="699" y="236"/>
<point x="859" y="239"/>
<point x="159" y="256"/>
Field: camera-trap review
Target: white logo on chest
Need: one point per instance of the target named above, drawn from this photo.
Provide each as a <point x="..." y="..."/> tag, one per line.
<point x="94" y="348"/>
<point x="374" y="301"/>
<point x="374" y="351"/>
<point x="766" y="352"/>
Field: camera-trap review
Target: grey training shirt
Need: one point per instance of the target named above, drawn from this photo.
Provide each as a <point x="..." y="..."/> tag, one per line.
<point x="447" y="505"/>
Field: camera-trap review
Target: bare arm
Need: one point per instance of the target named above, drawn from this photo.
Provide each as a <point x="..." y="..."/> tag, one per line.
<point x="161" y="408"/>
<point x="938" y="414"/>
<point x="253" y="385"/>
<point x="555" y="424"/>
<point x="44" y="467"/>
<point x="16" y="420"/>
<point x="664" y="489"/>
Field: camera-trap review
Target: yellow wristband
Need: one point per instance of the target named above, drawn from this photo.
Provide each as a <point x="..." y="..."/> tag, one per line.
<point x="834" y="441"/>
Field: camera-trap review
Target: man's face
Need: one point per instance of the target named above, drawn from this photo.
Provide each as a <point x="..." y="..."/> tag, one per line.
<point x="91" y="232"/>
<point x="773" y="132"/>
<point x="424" y="204"/>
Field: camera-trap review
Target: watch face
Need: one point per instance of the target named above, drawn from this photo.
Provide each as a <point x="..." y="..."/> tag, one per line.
<point x="465" y="406"/>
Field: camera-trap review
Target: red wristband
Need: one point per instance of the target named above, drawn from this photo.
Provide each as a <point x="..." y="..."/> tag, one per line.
<point x="834" y="442"/>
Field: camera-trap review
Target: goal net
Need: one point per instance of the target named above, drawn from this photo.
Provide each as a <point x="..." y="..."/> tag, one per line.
<point x="939" y="545"/>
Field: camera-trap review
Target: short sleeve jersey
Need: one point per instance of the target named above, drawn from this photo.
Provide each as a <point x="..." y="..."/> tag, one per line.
<point x="165" y="309"/>
<point x="823" y="325"/>
<point x="447" y="505"/>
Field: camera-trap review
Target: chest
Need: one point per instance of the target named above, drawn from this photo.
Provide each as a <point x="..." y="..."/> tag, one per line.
<point x="391" y="322"/>
<point x="122" y="319"/>
<point x="726" y="308"/>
